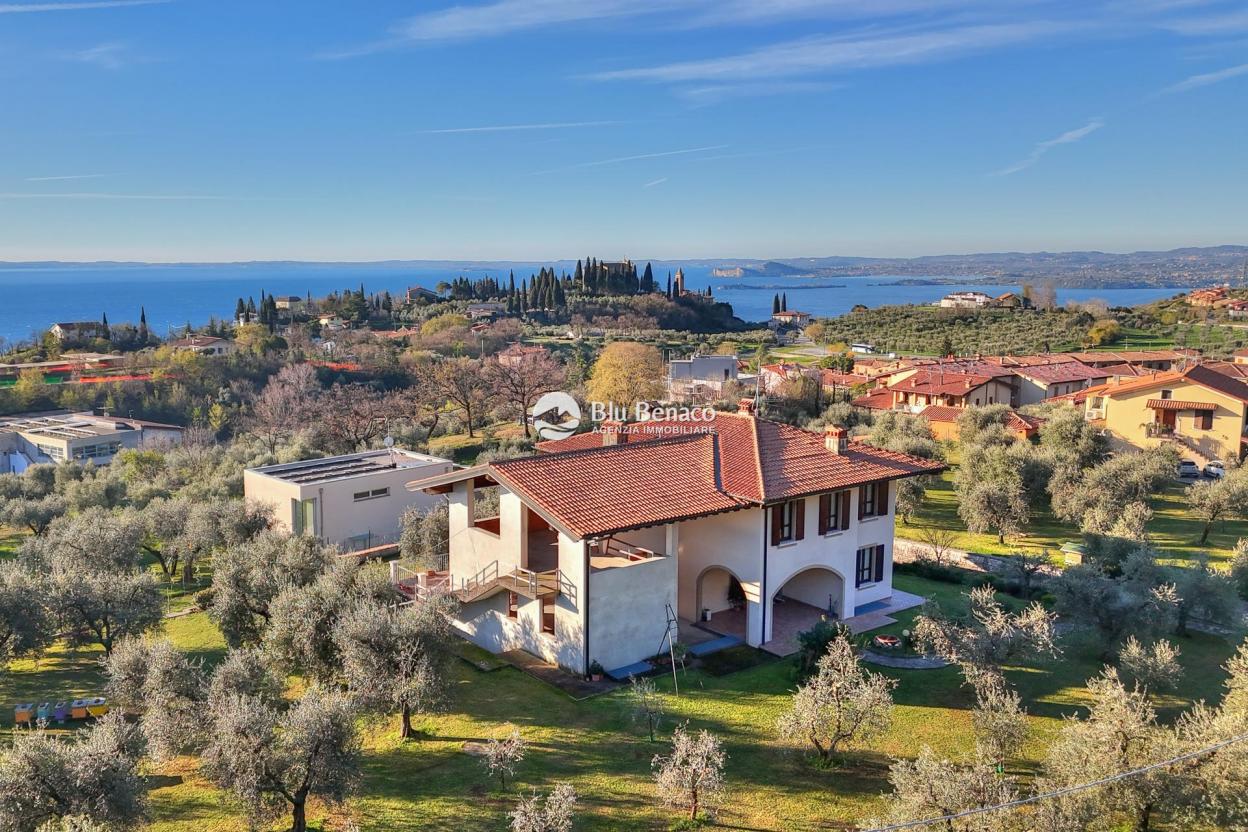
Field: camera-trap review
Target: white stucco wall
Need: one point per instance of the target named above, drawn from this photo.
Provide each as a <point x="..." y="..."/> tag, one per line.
<point x="732" y="541"/>
<point x="627" y="611"/>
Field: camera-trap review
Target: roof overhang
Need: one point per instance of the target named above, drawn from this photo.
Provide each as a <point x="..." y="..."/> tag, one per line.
<point x="481" y="476"/>
<point x="1177" y="404"/>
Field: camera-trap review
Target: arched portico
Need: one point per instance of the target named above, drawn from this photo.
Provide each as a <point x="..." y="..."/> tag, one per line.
<point x="723" y="602"/>
<point x="804" y="598"/>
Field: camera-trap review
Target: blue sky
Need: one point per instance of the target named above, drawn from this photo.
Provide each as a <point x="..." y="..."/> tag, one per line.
<point x="539" y="129"/>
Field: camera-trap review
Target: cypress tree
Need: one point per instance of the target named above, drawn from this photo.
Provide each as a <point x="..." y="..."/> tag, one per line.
<point x="775" y="303"/>
<point x="669" y="285"/>
<point x="647" y="280"/>
<point x="784" y="302"/>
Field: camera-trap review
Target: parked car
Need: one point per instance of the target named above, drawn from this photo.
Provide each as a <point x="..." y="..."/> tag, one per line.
<point x="1188" y="469"/>
<point x="1215" y="469"/>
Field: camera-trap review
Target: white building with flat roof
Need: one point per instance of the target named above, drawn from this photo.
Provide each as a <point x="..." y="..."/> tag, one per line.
<point x="355" y="501"/>
<point x="31" y="438"/>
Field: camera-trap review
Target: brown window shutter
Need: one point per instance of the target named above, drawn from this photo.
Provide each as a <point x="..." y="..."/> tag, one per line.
<point x="799" y="519"/>
<point x="879" y="564"/>
<point x="861" y="503"/>
<point x="777" y="517"/>
<point x="825" y="512"/>
<point x="845" y="509"/>
<point x="881" y="498"/>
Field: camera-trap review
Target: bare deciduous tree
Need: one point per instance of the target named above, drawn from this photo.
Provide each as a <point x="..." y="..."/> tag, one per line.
<point x="284" y="406"/>
<point x="460" y="383"/>
<point x="520" y="382"/>
<point x="646" y="704"/>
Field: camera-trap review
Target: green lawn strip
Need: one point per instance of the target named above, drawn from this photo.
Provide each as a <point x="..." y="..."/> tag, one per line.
<point x="433" y="784"/>
<point x="1173" y="530"/>
<point x="10" y="540"/>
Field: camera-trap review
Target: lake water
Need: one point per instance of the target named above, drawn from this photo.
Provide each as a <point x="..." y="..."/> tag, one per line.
<point x="33" y="299"/>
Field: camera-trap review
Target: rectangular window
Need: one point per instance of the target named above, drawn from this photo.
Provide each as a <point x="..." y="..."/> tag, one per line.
<point x="833" y="512"/>
<point x="513" y="605"/>
<point x="1165" y="394"/>
<point x="548" y="614"/>
<point x="1204" y="420"/>
<point x="305" y="516"/>
<point x="873" y="500"/>
<point x="374" y="494"/>
<point x="870" y="566"/>
<point x="788" y="521"/>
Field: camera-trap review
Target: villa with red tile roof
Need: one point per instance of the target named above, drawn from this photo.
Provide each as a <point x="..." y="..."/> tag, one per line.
<point x="607" y="541"/>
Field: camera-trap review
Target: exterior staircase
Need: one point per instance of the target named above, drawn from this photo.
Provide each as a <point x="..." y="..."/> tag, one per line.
<point x="530" y="584"/>
<point x="1188" y="448"/>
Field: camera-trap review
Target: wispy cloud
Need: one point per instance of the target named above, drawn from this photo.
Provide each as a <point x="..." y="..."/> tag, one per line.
<point x="1069" y="137"/>
<point x="507" y="128"/>
<point x="142" y="197"/>
<point x="503" y="17"/>
<point x="1206" y="79"/>
<point x="637" y="157"/>
<point x="31" y="8"/>
<point x="715" y="93"/>
<point x="1220" y="23"/>
<point x="67" y="177"/>
<point x="826" y="53"/>
<point x="654" y="182"/>
<point x="106" y="55"/>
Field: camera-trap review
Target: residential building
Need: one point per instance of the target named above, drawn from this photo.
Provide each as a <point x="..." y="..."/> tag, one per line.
<point x="916" y="388"/>
<point x="1041" y="382"/>
<point x="789" y="319"/>
<point x="59" y="436"/>
<point x="72" y="332"/>
<point x="772" y="376"/>
<point x="700" y="378"/>
<point x="1156" y="360"/>
<point x="944" y="422"/>
<point x="1201" y="409"/>
<point x="755" y="529"/>
<point x="518" y="354"/>
<point x="355" y="501"/>
<point x="289" y="303"/>
<point x="964" y="300"/>
<point x="485" y="310"/>
<point x="1240" y="356"/>
<point x="204" y="345"/>
<point x="1213" y="296"/>
<point x="420" y="293"/>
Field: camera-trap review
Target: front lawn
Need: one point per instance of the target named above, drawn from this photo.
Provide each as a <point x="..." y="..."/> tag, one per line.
<point x="433" y="784"/>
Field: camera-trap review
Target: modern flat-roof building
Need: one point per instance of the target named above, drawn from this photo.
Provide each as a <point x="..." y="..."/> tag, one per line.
<point x="355" y="501"/>
<point x="700" y="378"/>
<point x="30" y="438"/>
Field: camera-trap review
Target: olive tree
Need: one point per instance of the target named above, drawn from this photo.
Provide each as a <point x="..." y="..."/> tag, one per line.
<point x="168" y="687"/>
<point x="93" y="775"/>
<point x="398" y="658"/>
<point x="247" y="576"/>
<point x="273" y="761"/>
<point x="554" y="814"/>
<point x="841" y="705"/>
<point x="692" y="776"/>
<point x="932" y="786"/>
<point x="25" y="625"/>
<point x="500" y="756"/>
<point x="989" y="637"/>
<point x="1154" y="669"/>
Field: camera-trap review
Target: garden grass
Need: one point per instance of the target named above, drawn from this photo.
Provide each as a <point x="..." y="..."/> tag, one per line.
<point x="1173" y="529"/>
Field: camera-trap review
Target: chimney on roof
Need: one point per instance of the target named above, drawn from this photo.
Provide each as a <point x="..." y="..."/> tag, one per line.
<point x="836" y="439"/>
<point x="612" y="432"/>
<point x="745" y="406"/>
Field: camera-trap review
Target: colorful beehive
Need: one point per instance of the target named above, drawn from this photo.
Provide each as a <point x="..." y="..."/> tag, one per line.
<point x="24" y="714"/>
<point x="78" y="710"/>
<point x="97" y="706"/>
<point x="60" y="711"/>
<point x="44" y="712"/>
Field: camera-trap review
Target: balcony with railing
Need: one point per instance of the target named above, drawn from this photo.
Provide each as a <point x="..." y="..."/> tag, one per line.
<point x="613" y="554"/>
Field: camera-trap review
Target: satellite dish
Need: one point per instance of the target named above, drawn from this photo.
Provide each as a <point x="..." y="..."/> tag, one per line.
<point x="388" y="441"/>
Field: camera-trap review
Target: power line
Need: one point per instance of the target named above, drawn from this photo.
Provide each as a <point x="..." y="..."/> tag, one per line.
<point x="1014" y="804"/>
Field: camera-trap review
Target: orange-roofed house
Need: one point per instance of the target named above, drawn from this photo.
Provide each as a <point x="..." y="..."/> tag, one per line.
<point x="1201" y="409"/>
<point x="735" y="528"/>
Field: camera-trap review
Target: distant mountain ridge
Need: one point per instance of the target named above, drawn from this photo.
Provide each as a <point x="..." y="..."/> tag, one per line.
<point x="1180" y="267"/>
